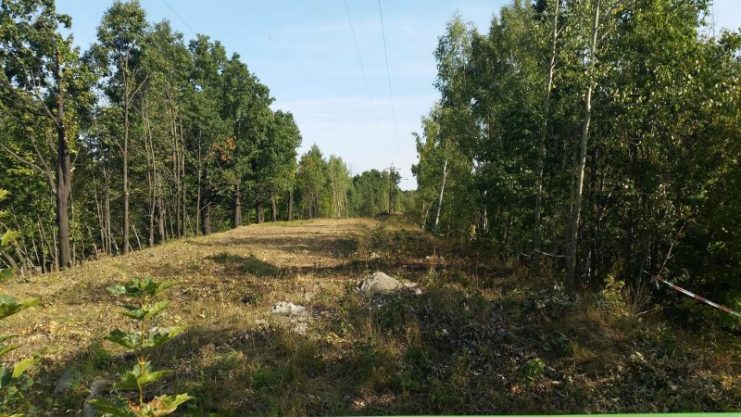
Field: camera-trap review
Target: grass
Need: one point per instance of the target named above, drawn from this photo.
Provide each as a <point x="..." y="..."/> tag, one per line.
<point x="482" y="338"/>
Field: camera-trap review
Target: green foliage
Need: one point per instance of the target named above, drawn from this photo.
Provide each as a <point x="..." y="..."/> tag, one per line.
<point x="140" y="287"/>
<point x="140" y="291"/>
<point x="374" y="192"/>
<point x="136" y="340"/>
<point x="662" y="142"/>
<point x="139" y="377"/>
<point x="10" y="305"/>
<point x="14" y="380"/>
<point x="533" y="369"/>
<point x="159" y="406"/>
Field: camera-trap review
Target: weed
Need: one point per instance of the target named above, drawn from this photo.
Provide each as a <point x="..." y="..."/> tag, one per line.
<point x="141" y="310"/>
<point x="14" y="380"/>
<point x="532" y="370"/>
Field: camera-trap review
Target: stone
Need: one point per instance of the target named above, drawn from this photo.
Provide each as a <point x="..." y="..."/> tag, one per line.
<point x="379" y="283"/>
<point x="65" y="383"/>
<point x="284" y="308"/>
<point x="96" y="389"/>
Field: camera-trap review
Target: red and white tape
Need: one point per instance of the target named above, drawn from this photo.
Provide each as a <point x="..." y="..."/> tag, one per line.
<point x="695" y="296"/>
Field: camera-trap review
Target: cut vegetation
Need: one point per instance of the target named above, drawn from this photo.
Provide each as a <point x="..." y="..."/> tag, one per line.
<point x="481" y="337"/>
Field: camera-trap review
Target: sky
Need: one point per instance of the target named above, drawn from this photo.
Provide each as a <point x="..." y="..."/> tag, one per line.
<point x="304" y="51"/>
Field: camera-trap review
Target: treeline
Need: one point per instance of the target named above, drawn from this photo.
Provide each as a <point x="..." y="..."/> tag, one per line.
<point x="142" y="138"/>
<point x="602" y="137"/>
<point x="327" y="189"/>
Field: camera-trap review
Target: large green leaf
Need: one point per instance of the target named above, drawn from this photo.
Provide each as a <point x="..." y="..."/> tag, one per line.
<point x="139" y="287"/>
<point x="161" y="335"/>
<point x="146" y="311"/>
<point x="157" y="336"/>
<point x="7" y="348"/>
<point x="161" y="406"/>
<point x="120" y="409"/>
<point x="140" y="376"/>
<point x="11" y="305"/>
<point x="4" y="194"/>
<point x="22" y="367"/>
<point x="128" y="340"/>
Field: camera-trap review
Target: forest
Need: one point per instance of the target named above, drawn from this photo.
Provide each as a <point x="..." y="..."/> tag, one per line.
<point x="165" y="137"/>
<point x="577" y="180"/>
<point x="597" y="138"/>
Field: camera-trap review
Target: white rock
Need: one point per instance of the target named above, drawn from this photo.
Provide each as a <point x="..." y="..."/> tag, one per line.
<point x="284" y="308"/>
<point x="379" y="283"/>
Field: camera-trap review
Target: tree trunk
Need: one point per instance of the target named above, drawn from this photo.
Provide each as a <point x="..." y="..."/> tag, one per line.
<point x="176" y="175"/>
<point x="440" y="197"/>
<point x="205" y="209"/>
<point x="259" y="212"/>
<point x="573" y="229"/>
<point x="183" y="185"/>
<point x="290" y="205"/>
<point x="160" y="209"/>
<point x="125" y="185"/>
<point x="152" y="209"/>
<point x="273" y="208"/>
<point x="199" y="189"/>
<point x="426" y="210"/>
<point x="543" y="135"/>
<point x="63" y="177"/>
<point x="151" y="173"/>
<point x="107" y="214"/>
<point x="206" y="218"/>
<point x="237" y="207"/>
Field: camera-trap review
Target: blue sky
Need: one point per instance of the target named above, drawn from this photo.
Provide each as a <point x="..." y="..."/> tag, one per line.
<point x="304" y="51"/>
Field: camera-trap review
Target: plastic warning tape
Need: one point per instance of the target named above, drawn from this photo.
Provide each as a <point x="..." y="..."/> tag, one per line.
<point x="695" y="296"/>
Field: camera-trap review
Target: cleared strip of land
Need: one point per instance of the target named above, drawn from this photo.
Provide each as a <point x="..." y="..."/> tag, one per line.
<point x="482" y="337"/>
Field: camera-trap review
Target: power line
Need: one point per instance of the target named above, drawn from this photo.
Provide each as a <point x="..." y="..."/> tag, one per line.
<point x="362" y="67"/>
<point x="178" y="16"/>
<point x="388" y="76"/>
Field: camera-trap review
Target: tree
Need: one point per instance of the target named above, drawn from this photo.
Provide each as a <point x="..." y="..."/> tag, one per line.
<point x="551" y="11"/>
<point x="207" y="125"/>
<point x="167" y="63"/>
<point x="278" y="160"/>
<point x="369" y="193"/>
<point x="118" y="53"/>
<point x="580" y="165"/>
<point x="246" y="106"/>
<point x="338" y="183"/>
<point x="312" y="179"/>
<point x="593" y="133"/>
<point x="44" y="86"/>
<point x="182" y="132"/>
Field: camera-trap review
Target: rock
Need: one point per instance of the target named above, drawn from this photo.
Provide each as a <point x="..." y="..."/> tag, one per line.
<point x="64" y="383"/>
<point x="412" y="288"/>
<point x="284" y="308"/>
<point x="379" y="283"/>
<point x="96" y="388"/>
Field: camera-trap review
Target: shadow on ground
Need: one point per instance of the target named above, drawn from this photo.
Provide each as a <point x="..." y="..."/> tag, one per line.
<point x="481" y="339"/>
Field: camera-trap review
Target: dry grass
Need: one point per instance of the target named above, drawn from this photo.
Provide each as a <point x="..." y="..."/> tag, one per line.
<point x="459" y="348"/>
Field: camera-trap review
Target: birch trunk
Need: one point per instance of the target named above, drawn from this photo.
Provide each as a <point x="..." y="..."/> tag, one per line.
<point x="575" y="212"/>
<point x="440" y="197"/>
